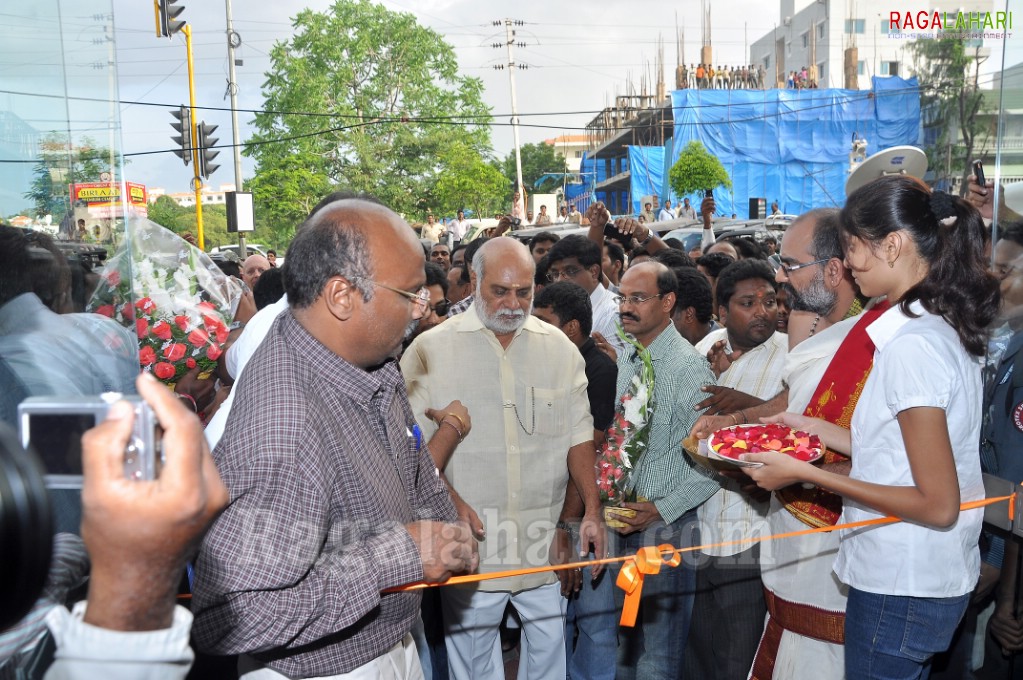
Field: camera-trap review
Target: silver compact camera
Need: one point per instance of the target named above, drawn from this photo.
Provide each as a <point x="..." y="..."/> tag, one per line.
<point x="54" y="426"/>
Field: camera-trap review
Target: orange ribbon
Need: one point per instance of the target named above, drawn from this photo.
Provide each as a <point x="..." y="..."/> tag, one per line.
<point x="630" y="579"/>
<point x="649" y="560"/>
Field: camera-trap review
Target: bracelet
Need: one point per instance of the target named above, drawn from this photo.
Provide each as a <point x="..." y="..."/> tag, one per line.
<point x="191" y="400"/>
<point x="465" y="428"/>
<point x="743" y="414"/>
<point x="453" y="427"/>
<point x="735" y="419"/>
<point x="648" y="239"/>
<point x="564" y="526"/>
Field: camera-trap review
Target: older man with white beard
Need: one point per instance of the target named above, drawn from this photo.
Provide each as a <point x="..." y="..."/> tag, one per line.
<point x="531" y="414"/>
<point x="829" y="357"/>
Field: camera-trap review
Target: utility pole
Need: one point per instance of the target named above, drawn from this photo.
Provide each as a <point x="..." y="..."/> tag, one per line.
<point x="233" y="41"/>
<point x="510" y="43"/>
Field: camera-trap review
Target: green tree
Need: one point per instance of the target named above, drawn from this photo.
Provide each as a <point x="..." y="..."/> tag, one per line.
<point x="950" y="102"/>
<point x="537" y="161"/>
<point x="62" y="164"/>
<point x="468" y="181"/>
<point x="181" y="220"/>
<point x="167" y="213"/>
<point x="697" y="170"/>
<point x="285" y="193"/>
<point x="367" y="99"/>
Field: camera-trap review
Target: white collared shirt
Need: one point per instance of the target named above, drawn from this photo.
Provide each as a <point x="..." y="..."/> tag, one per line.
<point x="529" y="407"/>
<point x="605" y="316"/>
<point x="917" y="363"/>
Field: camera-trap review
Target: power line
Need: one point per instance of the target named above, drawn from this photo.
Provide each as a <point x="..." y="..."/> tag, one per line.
<point x="471" y="119"/>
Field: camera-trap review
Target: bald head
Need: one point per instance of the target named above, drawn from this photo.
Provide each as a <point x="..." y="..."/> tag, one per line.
<point x="350" y="238"/>
<point x="252" y="268"/>
<point x="502" y="249"/>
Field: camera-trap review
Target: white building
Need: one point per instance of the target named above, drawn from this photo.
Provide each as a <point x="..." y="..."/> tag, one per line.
<point x="571" y="148"/>
<point x="820" y="33"/>
<point x="186" y="199"/>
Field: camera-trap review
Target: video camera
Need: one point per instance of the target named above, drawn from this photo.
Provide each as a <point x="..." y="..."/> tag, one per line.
<point x="26" y="529"/>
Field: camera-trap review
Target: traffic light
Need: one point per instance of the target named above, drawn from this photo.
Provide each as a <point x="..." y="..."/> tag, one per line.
<point x="167" y="12"/>
<point x="206" y="151"/>
<point x="183" y="139"/>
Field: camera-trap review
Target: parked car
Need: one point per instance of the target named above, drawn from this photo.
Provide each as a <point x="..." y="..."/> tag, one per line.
<point x="250" y="249"/>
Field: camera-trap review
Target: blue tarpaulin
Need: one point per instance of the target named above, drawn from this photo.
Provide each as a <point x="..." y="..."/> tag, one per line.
<point x="789" y="146"/>
<point x="646" y="168"/>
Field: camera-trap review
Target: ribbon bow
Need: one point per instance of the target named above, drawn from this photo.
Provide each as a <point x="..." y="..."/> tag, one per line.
<point x="630" y="579"/>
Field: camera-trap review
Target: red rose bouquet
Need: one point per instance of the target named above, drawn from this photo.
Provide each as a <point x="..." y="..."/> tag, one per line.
<point x="177" y="301"/>
<point x="628" y="435"/>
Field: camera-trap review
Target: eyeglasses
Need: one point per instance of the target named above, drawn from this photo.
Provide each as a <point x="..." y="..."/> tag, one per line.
<point x="421" y="298"/>
<point x="789" y="268"/>
<point x="1002" y="271"/>
<point x="442" y="307"/>
<point x="567" y="273"/>
<point x="634" y="300"/>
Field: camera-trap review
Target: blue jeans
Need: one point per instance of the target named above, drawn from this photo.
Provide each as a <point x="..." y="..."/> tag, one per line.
<point x="592" y="612"/>
<point x="892" y="637"/>
<point x="655" y="648"/>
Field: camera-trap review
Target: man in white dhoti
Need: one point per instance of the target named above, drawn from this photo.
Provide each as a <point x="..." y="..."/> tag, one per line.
<point x="829" y="356"/>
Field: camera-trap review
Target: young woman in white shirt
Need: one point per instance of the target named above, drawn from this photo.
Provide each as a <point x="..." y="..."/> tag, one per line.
<point x="915" y="433"/>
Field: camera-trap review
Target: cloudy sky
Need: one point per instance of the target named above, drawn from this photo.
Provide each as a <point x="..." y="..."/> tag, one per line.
<point x="580" y="55"/>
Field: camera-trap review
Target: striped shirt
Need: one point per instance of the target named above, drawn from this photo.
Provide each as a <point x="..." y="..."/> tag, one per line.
<point x="664" y="474"/>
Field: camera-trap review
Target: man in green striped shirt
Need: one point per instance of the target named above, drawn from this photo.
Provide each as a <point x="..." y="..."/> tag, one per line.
<point x="673" y="486"/>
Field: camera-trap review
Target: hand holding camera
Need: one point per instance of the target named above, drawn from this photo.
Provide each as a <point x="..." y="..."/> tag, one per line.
<point x="140" y="533"/>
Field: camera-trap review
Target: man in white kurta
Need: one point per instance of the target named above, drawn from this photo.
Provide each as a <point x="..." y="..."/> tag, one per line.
<point x="524" y="383"/>
<point x="729" y="605"/>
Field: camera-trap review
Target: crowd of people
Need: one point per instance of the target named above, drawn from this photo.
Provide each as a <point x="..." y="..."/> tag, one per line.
<point x="707" y="77"/>
<point x="393" y="414"/>
<point x="801" y="80"/>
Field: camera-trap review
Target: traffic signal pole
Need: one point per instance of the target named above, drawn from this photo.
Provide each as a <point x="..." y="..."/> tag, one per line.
<point x="197" y="179"/>
<point x="232" y="41"/>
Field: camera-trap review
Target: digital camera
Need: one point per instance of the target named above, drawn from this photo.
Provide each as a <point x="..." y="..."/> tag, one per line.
<point x="54" y="426"/>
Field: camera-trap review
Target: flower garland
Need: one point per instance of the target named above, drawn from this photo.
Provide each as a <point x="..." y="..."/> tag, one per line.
<point x="629" y="433"/>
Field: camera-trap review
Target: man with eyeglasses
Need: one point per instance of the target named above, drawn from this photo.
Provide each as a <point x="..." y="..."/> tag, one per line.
<point x="672" y="486"/>
<point x="437" y="285"/>
<point x="829" y="355"/>
<point x="334" y="495"/>
<point x="578" y="259"/>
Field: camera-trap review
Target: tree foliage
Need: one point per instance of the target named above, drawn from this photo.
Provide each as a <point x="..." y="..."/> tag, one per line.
<point x="537" y="161"/>
<point x="697" y="170"/>
<point x="285" y="193"/>
<point x="62" y="164"/>
<point x="364" y="99"/>
<point x="468" y="181"/>
<point x="950" y="101"/>
<point x="181" y="220"/>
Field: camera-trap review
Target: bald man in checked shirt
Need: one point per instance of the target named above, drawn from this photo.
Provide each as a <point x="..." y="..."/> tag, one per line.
<point x="334" y="498"/>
